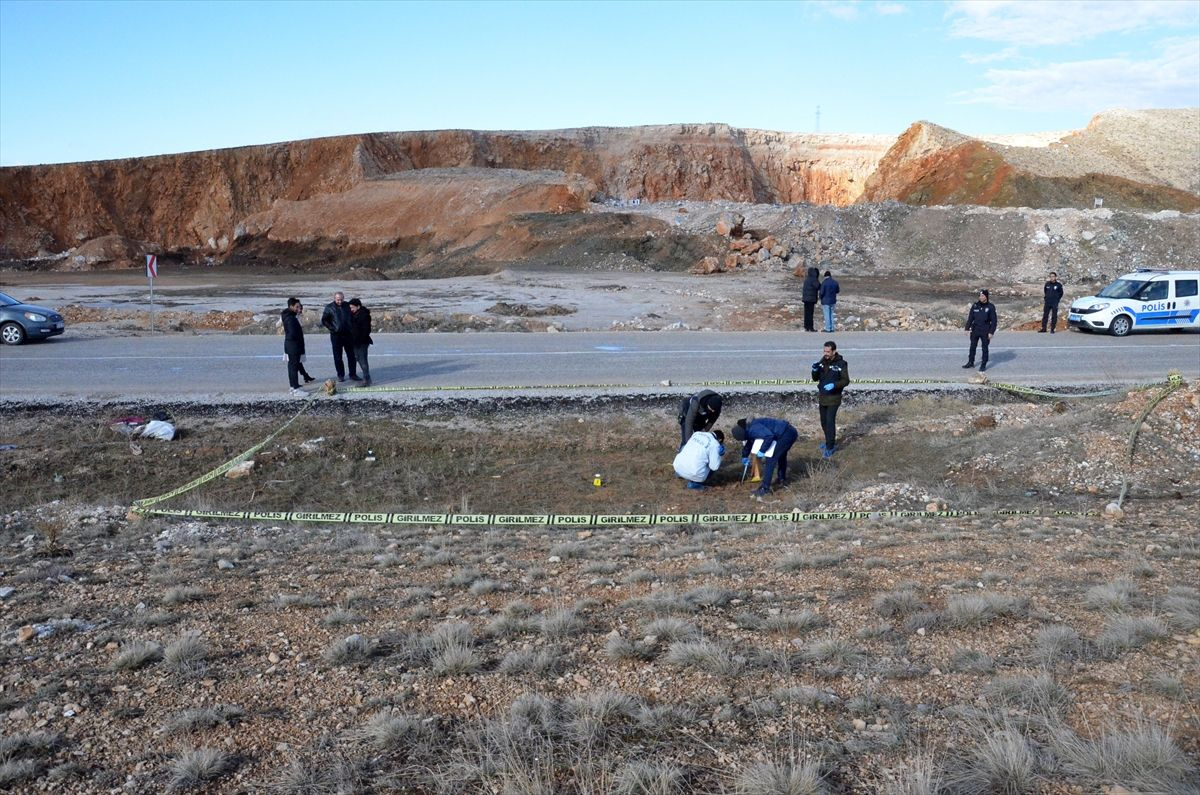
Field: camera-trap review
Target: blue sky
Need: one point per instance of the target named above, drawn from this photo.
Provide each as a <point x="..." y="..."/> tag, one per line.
<point x="98" y="80"/>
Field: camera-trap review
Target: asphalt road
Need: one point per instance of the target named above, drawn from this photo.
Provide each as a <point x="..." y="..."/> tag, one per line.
<point x="238" y="367"/>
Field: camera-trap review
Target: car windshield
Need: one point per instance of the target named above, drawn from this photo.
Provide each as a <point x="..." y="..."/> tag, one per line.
<point x="8" y="300"/>
<point x="1123" y="288"/>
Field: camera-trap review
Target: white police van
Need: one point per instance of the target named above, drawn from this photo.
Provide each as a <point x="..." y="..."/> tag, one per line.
<point x="1145" y="300"/>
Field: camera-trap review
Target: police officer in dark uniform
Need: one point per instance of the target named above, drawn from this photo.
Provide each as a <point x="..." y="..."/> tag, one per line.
<point x="698" y="413"/>
<point x="832" y="374"/>
<point x="1052" y="293"/>
<point x="981" y="325"/>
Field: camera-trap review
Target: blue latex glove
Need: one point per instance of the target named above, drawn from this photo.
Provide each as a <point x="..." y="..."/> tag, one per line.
<point x="760" y="455"/>
<point x="829" y="387"/>
<point x="720" y="449"/>
<point x="745" y="460"/>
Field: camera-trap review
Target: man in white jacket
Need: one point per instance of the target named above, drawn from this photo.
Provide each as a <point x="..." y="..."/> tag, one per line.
<point x="700" y="457"/>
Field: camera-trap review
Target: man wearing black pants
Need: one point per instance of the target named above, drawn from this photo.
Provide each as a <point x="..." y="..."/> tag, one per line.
<point x="832" y="374"/>
<point x="336" y="319"/>
<point x="360" y="336"/>
<point x="1052" y="293"/>
<point x="293" y="345"/>
<point x="776" y="437"/>
<point x="981" y="325"/>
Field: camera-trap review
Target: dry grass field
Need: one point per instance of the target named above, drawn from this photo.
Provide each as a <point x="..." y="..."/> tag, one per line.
<point x="989" y="653"/>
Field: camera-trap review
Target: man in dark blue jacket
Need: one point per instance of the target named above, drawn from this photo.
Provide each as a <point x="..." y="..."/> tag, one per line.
<point x="336" y="320"/>
<point x="770" y="431"/>
<point x="829" y="292"/>
<point x="981" y="325"/>
<point x="1052" y="293"/>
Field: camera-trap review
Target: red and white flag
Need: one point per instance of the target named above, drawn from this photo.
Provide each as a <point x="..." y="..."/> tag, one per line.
<point x="151" y="266"/>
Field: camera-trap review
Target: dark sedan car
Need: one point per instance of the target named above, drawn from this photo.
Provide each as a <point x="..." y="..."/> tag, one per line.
<point x="20" y="322"/>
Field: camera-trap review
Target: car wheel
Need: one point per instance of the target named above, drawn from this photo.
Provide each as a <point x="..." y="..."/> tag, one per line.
<point x="12" y="334"/>
<point x="1121" y="326"/>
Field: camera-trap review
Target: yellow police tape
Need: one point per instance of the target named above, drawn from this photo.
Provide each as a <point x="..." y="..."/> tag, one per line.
<point x="580" y="520"/>
<point x="143" y="506"/>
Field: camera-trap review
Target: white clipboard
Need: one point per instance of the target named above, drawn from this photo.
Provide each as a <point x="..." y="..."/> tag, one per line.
<point x="757" y="446"/>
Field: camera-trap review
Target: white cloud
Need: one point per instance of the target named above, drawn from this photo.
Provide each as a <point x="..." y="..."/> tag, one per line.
<point x="1050" y="22"/>
<point x="890" y="9"/>
<point x="1170" y="80"/>
<point x="847" y="10"/>
<point x="1007" y="54"/>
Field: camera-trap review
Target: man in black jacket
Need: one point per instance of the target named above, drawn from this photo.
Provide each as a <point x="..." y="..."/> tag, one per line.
<point x="1052" y="293"/>
<point x="336" y="319"/>
<point x="293" y="345"/>
<point x="360" y="337"/>
<point x="832" y="374"/>
<point x="698" y="413"/>
<point x="981" y="325"/>
<point x="809" y="294"/>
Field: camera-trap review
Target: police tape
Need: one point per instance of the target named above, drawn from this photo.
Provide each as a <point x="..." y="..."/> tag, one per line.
<point x="1016" y="388"/>
<point x="142" y="506"/>
<point x="228" y="465"/>
<point x="584" y="520"/>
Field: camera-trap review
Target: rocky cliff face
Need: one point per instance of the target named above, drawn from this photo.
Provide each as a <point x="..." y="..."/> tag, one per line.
<point x="1134" y="160"/>
<point x="200" y="200"/>
<point x="495" y="195"/>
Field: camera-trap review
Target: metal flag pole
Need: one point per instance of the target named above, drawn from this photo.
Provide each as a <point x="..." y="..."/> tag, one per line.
<point x="151" y="272"/>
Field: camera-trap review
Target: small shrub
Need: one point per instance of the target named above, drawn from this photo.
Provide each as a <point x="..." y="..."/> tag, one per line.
<point x="561" y="623"/>
<point x="186" y="655"/>
<point x="285" y="601"/>
<point x="1130" y="632"/>
<point x="348" y="651"/>
<point x="670" y="628"/>
<point x="781" y="778"/>
<point x="794" y="623"/>
<point x="1143" y="758"/>
<point x="1056" y="643"/>
<point x="650" y="778"/>
<point x="182" y="594"/>
<point x="805" y="696"/>
<point x="971" y="661"/>
<point x="485" y="586"/>
<point x="191" y="720"/>
<point x="802" y="562"/>
<point x="1033" y="694"/>
<point x="707" y="596"/>
<point x="1001" y="762"/>
<point x="703" y="655"/>
<point x="532" y="661"/>
<point x="1182" y="610"/>
<point x="975" y="610"/>
<point x="1165" y="685"/>
<point x="340" y="617"/>
<point x="455" y="659"/>
<point x="897" y="603"/>
<point x="15" y="771"/>
<point x="136" y="655"/>
<point x="617" y="647"/>
<point x="195" y="768"/>
<point x="1110" y="597"/>
<point x="387" y="731"/>
<point x="833" y="651"/>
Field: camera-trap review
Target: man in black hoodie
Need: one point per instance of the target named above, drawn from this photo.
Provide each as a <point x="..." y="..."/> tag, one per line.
<point x="809" y="294"/>
<point x="336" y="319"/>
<point x="832" y="374"/>
<point x="293" y="345"/>
<point x="698" y="413"/>
<point x="360" y="337"/>
<point x="981" y="325"/>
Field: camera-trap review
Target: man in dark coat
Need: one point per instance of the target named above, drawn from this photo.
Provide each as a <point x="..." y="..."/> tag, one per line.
<point x="360" y="337"/>
<point x="832" y="374"/>
<point x="981" y="325"/>
<point x="809" y="294"/>
<point x="698" y="413"/>
<point x="770" y="431"/>
<point x="828" y="292"/>
<point x="336" y="319"/>
<point x="293" y="345"/>
<point x="1052" y="293"/>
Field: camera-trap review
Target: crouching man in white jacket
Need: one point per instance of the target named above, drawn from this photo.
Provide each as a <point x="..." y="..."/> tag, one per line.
<point x="700" y="457"/>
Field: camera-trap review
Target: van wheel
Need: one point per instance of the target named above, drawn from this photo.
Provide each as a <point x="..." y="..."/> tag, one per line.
<point x="1121" y="326"/>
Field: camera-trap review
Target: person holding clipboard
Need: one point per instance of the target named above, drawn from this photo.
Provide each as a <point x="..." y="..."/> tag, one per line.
<point x="768" y="439"/>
